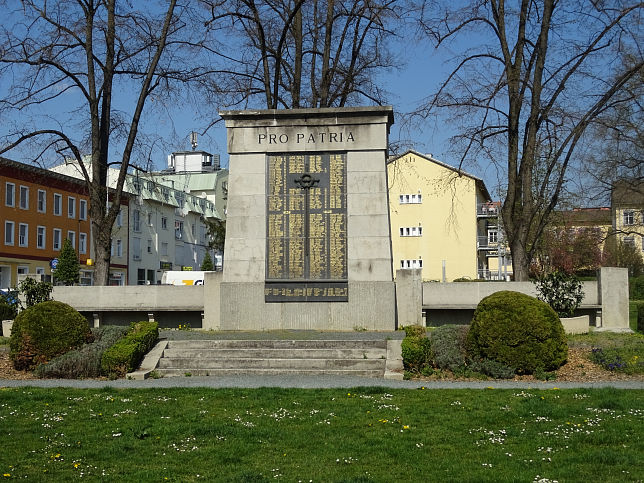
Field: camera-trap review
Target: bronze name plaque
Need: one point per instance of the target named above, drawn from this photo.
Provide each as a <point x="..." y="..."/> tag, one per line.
<point x="306" y="229"/>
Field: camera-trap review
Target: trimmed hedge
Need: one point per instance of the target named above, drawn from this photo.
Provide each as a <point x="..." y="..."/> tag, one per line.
<point x="44" y="331"/>
<point x="127" y="353"/>
<point x="415" y="331"/>
<point x="640" y="317"/>
<point x="519" y="331"/>
<point x="86" y="361"/>
<point x="636" y="288"/>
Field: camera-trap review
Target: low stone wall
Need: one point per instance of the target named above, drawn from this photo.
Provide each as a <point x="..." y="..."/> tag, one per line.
<point x="121" y="305"/>
<point x="605" y="301"/>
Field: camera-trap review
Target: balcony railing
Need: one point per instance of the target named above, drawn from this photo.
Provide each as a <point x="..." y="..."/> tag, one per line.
<point x="487" y="209"/>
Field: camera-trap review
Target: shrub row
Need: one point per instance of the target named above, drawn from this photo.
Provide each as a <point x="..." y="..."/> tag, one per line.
<point x="446" y="349"/>
<point x="127" y="353"/>
<point x="86" y="361"/>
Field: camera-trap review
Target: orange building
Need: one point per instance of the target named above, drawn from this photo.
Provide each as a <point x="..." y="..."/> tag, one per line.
<point x="38" y="210"/>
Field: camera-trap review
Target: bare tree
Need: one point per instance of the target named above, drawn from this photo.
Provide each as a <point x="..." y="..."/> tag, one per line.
<point x="297" y="53"/>
<point x="95" y="64"/>
<point x="535" y="77"/>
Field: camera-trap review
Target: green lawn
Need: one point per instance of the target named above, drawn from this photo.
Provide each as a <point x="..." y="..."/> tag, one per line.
<point x="366" y="434"/>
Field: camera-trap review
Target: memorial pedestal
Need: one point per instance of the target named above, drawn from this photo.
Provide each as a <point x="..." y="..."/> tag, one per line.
<point x="307" y="239"/>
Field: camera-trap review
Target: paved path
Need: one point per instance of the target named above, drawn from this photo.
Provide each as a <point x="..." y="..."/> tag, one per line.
<point x="318" y="382"/>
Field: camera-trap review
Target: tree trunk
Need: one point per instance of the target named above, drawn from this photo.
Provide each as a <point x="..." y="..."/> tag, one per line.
<point x="520" y="261"/>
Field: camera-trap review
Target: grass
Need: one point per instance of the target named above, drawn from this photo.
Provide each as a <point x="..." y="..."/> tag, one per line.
<point x="356" y="435"/>
<point x="614" y="351"/>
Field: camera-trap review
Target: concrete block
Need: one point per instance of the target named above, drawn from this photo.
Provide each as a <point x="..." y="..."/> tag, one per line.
<point x="576" y="325"/>
<point x="409" y="297"/>
<point x="613" y="283"/>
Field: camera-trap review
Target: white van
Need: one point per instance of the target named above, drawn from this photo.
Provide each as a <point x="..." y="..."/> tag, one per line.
<point x="177" y="277"/>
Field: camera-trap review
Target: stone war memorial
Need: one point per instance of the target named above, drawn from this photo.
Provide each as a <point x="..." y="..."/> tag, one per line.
<point x="307" y="231"/>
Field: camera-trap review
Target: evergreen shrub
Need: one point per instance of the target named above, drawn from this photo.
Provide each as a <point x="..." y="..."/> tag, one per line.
<point x="636" y="288"/>
<point x="7" y="310"/>
<point x="86" y="361"/>
<point x="127" y="353"/>
<point x="44" y="331"/>
<point x="415" y="331"/>
<point x="449" y="347"/>
<point x="519" y="331"/>
<point x="640" y="317"/>
<point x="415" y="353"/>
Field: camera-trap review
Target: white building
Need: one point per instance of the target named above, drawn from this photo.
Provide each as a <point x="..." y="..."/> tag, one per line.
<point x="165" y="227"/>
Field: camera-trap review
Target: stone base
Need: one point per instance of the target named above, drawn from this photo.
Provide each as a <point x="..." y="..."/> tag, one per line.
<point x="576" y="325"/>
<point x="6" y="328"/>
<point x="371" y="306"/>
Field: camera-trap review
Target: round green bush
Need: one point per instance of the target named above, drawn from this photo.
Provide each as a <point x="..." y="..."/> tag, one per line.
<point x="519" y="331"/>
<point x="44" y="331"/>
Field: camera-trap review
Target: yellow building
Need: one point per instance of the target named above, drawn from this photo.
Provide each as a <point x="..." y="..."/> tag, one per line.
<point x="627" y="203"/>
<point x="442" y="219"/>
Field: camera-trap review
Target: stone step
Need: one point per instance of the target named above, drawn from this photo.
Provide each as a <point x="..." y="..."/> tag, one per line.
<point x="186" y="363"/>
<point x="268" y="372"/>
<point x="276" y="344"/>
<point x="280" y="353"/>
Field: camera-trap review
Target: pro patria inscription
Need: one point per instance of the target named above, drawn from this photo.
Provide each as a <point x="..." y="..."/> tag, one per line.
<point x="306" y="239"/>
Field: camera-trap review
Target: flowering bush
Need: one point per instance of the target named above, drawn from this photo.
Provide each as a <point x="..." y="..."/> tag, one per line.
<point x="562" y="291"/>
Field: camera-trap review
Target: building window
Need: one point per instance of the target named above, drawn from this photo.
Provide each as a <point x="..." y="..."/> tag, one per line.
<point x="150" y="219"/>
<point x="40" y="237"/>
<point x="82" y="243"/>
<point x="136" y="220"/>
<point x="22" y="270"/>
<point x="192" y="228"/>
<point x="164" y="249"/>
<point x="164" y="223"/>
<point x="71" y="236"/>
<point x="57" y="238"/>
<point x="413" y="199"/>
<point x="630" y="241"/>
<point x="40" y="271"/>
<point x="629" y="217"/>
<point x="137" y="186"/>
<point x="136" y="249"/>
<point x="24" y="198"/>
<point x="10" y="194"/>
<point x="71" y="207"/>
<point x="409" y="264"/>
<point x="411" y="231"/>
<point x="119" y="248"/>
<point x="9" y="227"/>
<point x="119" y="218"/>
<point x="166" y="194"/>
<point x="42" y="201"/>
<point x="140" y="276"/>
<point x="86" y="277"/>
<point x="58" y="204"/>
<point x="492" y="236"/>
<point x="178" y="229"/>
<point x="23" y="235"/>
<point x="82" y="210"/>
